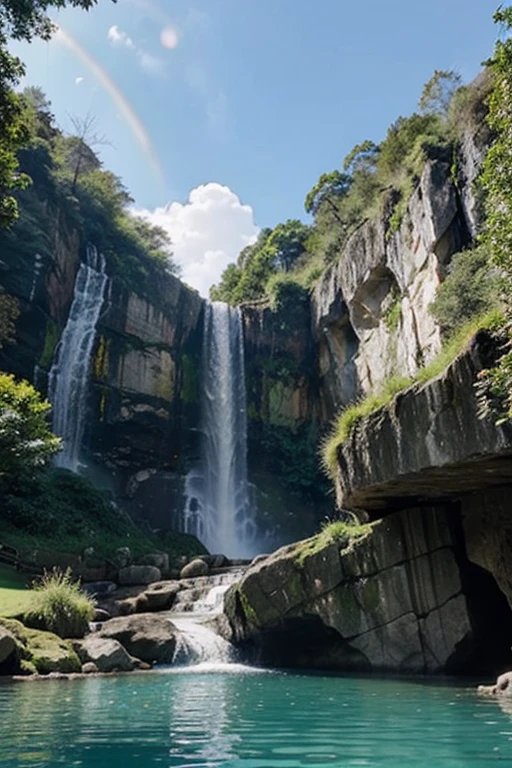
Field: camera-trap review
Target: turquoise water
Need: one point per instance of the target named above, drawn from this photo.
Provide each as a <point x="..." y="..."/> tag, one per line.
<point x="248" y="721"/>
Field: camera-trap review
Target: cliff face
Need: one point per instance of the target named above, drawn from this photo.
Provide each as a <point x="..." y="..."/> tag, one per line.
<point x="370" y="310"/>
<point x="401" y="597"/>
<point x="143" y="400"/>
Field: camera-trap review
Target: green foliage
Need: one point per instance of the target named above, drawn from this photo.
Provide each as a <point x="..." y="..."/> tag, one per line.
<point x="293" y="457"/>
<point x="351" y="415"/>
<point x="275" y="252"/>
<point x="21" y="21"/>
<point x="58" y="606"/>
<point x="469" y="290"/>
<point x="339" y="532"/>
<point x="393" y="312"/>
<point x="438" y="93"/>
<point x="60" y="510"/>
<point x="9" y="313"/>
<point x="496" y="182"/>
<point x="26" y="442"/>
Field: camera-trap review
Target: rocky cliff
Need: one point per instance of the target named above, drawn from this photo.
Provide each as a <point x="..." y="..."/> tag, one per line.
<point x="401" y="596"/>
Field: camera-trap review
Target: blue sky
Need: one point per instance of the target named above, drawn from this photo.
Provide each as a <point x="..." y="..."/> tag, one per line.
<point x="223" y="113"/>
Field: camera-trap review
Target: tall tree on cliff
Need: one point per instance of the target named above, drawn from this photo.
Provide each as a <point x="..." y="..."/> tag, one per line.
<point x="19" y="21"/>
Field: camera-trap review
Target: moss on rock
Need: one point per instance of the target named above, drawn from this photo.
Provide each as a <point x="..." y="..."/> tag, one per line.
<point x="41" y="652"/>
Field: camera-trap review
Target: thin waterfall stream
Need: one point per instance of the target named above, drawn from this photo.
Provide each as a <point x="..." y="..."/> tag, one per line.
<point x="70" y="372"/>
<point x="218" y="509"/>
<point x="199" y="647"/>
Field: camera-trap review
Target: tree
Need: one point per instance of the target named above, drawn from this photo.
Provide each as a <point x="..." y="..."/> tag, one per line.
<point x="361" y="158"/>
<point x="438" y="92"/>
<point x="26" y="442"/>
<point x="288" y="243"/>
<point x="84" y="142"/>
<point x="20" y="20"/>
<point x="329" y="188"/>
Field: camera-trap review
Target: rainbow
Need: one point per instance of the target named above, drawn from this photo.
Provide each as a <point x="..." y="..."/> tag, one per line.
<point x="123" y="105"/>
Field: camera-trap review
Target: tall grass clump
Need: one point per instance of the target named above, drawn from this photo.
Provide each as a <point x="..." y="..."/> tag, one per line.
<point x="59" y="606"/>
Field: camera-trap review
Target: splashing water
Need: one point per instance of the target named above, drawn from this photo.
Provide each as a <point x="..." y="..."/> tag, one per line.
<point x="218" y="509"/>
<point x="70" y="372"/>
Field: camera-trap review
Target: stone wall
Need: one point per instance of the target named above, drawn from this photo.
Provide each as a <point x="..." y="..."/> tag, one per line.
<point x="396" y="599"/>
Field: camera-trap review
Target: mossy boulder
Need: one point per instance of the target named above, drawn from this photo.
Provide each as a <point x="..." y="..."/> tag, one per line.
<point x="37" y="651"/>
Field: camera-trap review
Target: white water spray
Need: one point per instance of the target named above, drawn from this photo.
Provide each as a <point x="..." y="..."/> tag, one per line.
<point x="218" y="509"/>
<point x="69" y="376"/>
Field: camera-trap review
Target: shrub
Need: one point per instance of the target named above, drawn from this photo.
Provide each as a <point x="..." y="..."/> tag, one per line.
<point x="59" y="606"/>
<point x="469" y="290"/>
<point x="26" y="442"/>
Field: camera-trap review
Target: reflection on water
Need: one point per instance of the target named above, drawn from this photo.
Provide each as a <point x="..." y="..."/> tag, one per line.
<point x="249" y="721"/>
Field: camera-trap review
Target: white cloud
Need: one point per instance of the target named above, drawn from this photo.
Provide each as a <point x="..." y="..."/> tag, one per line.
<point x="79" y="80"/>
<point x="120" y="39"/>
<point x="207" y="232"/>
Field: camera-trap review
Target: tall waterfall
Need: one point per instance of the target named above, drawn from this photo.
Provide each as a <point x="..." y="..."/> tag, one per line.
<point x="69" y="375"/>
<point x="218" y="510"/>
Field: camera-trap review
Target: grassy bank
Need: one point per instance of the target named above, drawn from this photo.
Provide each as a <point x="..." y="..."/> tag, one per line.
<point x="14" y="592"/>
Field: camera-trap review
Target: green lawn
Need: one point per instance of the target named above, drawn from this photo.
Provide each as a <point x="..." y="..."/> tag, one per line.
<point x="14" y="594"/>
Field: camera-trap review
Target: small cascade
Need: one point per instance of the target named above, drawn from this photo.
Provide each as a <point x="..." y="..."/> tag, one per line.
<point x="218" y="509"/>
<point x="198" y="647"/>
<point x="70" y="372"/>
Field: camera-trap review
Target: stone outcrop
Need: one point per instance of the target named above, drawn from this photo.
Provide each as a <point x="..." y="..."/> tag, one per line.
<point x="391" y="600"/>
<point x="430" y="443"/>
<point x="370" y="309"/>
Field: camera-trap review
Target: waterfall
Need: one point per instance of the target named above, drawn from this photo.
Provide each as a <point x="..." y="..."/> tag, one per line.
<point x="198" y="647"/>
<point x="70" y="372"/>
<point x="218" y="510"/>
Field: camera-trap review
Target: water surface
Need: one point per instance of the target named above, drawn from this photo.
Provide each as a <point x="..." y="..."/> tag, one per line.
<point x="242" y="720"/>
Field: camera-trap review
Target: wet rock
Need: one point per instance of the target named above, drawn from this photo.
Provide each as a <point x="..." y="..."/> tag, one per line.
<point x="107" y="654"/>
<point x="161" y="596"/>
<point x="146" y="636"/>
<point x="502" y="687"/>
<point x="193" y="569"/>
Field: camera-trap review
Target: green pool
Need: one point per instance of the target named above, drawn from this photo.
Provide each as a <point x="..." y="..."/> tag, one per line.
<point x="249" y="720"/>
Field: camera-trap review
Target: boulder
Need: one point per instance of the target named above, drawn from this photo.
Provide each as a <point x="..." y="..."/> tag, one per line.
<point x="139" y="574"/>
<point x="502" y="687"/>
<point x="148" y="637"/>
<point x="193" y="569"/>
<point x="159" y="560"/>
<point x="89" y="668"/>
<point x="99" y="588"/>
<point x="7" y="644"/>
<point x="161" y="595"/>
<point x="107" y="654"/>
<point x="122" y="557"/>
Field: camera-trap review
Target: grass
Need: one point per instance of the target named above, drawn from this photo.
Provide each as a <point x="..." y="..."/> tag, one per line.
<point x="374" y="401"/>
<point x="332" y="532"/>
<point x="57" y="605"/>
<point x="15" y="594"/>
